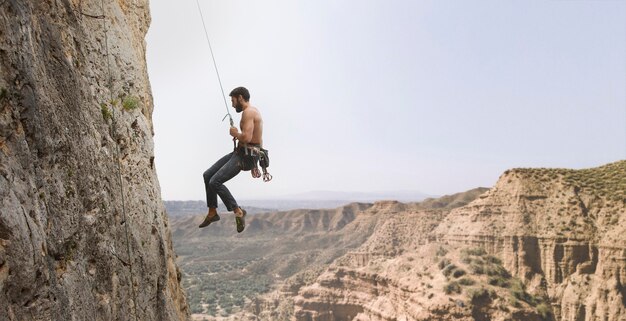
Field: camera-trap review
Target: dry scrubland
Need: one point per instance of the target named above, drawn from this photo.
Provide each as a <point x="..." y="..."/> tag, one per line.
<point x="542" y="244"/>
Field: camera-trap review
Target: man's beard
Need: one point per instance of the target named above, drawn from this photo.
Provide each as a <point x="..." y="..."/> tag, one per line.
<point x="238" y="109"/>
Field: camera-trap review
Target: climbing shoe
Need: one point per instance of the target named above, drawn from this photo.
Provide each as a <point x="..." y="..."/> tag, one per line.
<point x="209" y="219"/>
<point x="241" y="221"/>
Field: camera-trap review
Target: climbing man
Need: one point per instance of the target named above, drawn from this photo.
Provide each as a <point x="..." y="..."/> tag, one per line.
<point x="244" y="157"/>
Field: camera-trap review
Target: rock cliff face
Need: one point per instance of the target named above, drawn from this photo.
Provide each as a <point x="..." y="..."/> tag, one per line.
<point x="562" y="230"/>
<point x="83" y="231"/>
<point x="542" y="244"/>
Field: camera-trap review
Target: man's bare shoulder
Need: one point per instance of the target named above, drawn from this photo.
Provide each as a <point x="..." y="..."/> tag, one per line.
<point x="251" y="112"/>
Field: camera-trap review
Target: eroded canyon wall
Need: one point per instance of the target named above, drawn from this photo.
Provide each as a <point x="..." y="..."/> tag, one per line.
<point x="542" y="244"/>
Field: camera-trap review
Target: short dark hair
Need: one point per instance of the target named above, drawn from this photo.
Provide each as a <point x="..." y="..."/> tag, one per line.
<point x="241" y="91"/>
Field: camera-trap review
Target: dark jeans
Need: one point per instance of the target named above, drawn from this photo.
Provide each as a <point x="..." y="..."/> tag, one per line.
<point x="215" y="177"/>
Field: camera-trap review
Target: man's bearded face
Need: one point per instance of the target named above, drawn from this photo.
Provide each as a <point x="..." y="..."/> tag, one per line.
<point x="238" y="104"/>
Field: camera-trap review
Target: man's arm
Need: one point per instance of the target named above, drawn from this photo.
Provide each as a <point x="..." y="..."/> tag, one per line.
<point x="247" y="128"/>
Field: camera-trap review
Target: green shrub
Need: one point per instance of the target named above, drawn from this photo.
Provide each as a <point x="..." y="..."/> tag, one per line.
<point x="458" y="273"/>
<point x="443" y="263"/>
<point x="478" y="260"/>
<point x="448" y="269"/>
<point x="195" y="308"/>
<point x="518" y="291"/>
<point x="514" y="302"/>
<point x="497" y="270"/>
<point x="106" y="112"/>
<point x="477" y="269"/>
<point x="544" y="311"/>
<point x="499" y="281"/>
<point x="441" y="251"/>
<point x="474" y="251"/>
<point x="466" y="281"/>
<point x="452" y="287"/>
<point x="493" y="259"/>
<point x="130" y="102"/>
<point x="477" y="294"/>
<point x="517" y="286"/>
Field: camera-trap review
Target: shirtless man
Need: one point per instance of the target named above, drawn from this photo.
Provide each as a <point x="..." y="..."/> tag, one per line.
<point x="229" y="166"/>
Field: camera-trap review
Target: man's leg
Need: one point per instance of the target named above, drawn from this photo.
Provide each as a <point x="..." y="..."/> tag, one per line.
<point x="211" y="195"/>
<point x="224" y="174"/>
<point x="228" y="171"/>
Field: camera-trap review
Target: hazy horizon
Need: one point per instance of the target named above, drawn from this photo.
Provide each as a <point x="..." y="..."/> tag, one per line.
<point x="432" y="96"/>
<point x="330" y="195"/>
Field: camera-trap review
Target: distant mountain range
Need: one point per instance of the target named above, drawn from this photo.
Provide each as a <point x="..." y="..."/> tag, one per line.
<point x="308" y="200"/>
<point x="402" y="196"/>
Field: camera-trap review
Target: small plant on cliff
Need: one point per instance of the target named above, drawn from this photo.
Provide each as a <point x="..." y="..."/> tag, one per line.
<point x="3" y="93"/>
<point x="106" y="112"/>
<point x="130" y="102"/>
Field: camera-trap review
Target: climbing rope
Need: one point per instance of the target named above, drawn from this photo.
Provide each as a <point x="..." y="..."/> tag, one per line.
<point x="117" y="155"/>
<point x="219" y="79"/>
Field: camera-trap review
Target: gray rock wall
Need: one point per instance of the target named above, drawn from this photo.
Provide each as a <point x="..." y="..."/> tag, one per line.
<point x="82" y="236"/>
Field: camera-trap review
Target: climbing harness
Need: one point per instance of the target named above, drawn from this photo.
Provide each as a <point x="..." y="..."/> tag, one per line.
<point x="252" y="156"/>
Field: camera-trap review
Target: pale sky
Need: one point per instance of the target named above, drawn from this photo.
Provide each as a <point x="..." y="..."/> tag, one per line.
<point x="369" y="96"/>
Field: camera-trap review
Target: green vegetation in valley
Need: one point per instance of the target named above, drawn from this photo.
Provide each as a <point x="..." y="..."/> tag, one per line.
<point x="222" y="287"/>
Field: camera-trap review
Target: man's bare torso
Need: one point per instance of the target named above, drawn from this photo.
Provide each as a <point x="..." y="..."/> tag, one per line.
<point x="252" y="114"/>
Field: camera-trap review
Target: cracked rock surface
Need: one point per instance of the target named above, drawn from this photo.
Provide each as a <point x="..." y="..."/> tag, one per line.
<point x="83" y="230"/>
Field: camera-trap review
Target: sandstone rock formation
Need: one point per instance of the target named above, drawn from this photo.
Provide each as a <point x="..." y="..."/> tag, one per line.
<point x="83" y="231"/>
<point x="542" y="244"/>
<point x="560" y="230"/>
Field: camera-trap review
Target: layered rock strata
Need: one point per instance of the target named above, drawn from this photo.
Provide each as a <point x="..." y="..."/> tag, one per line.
<point x="83" y="231"/>
<point x="558" y="229"/>
<point x="551" y="246"/>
